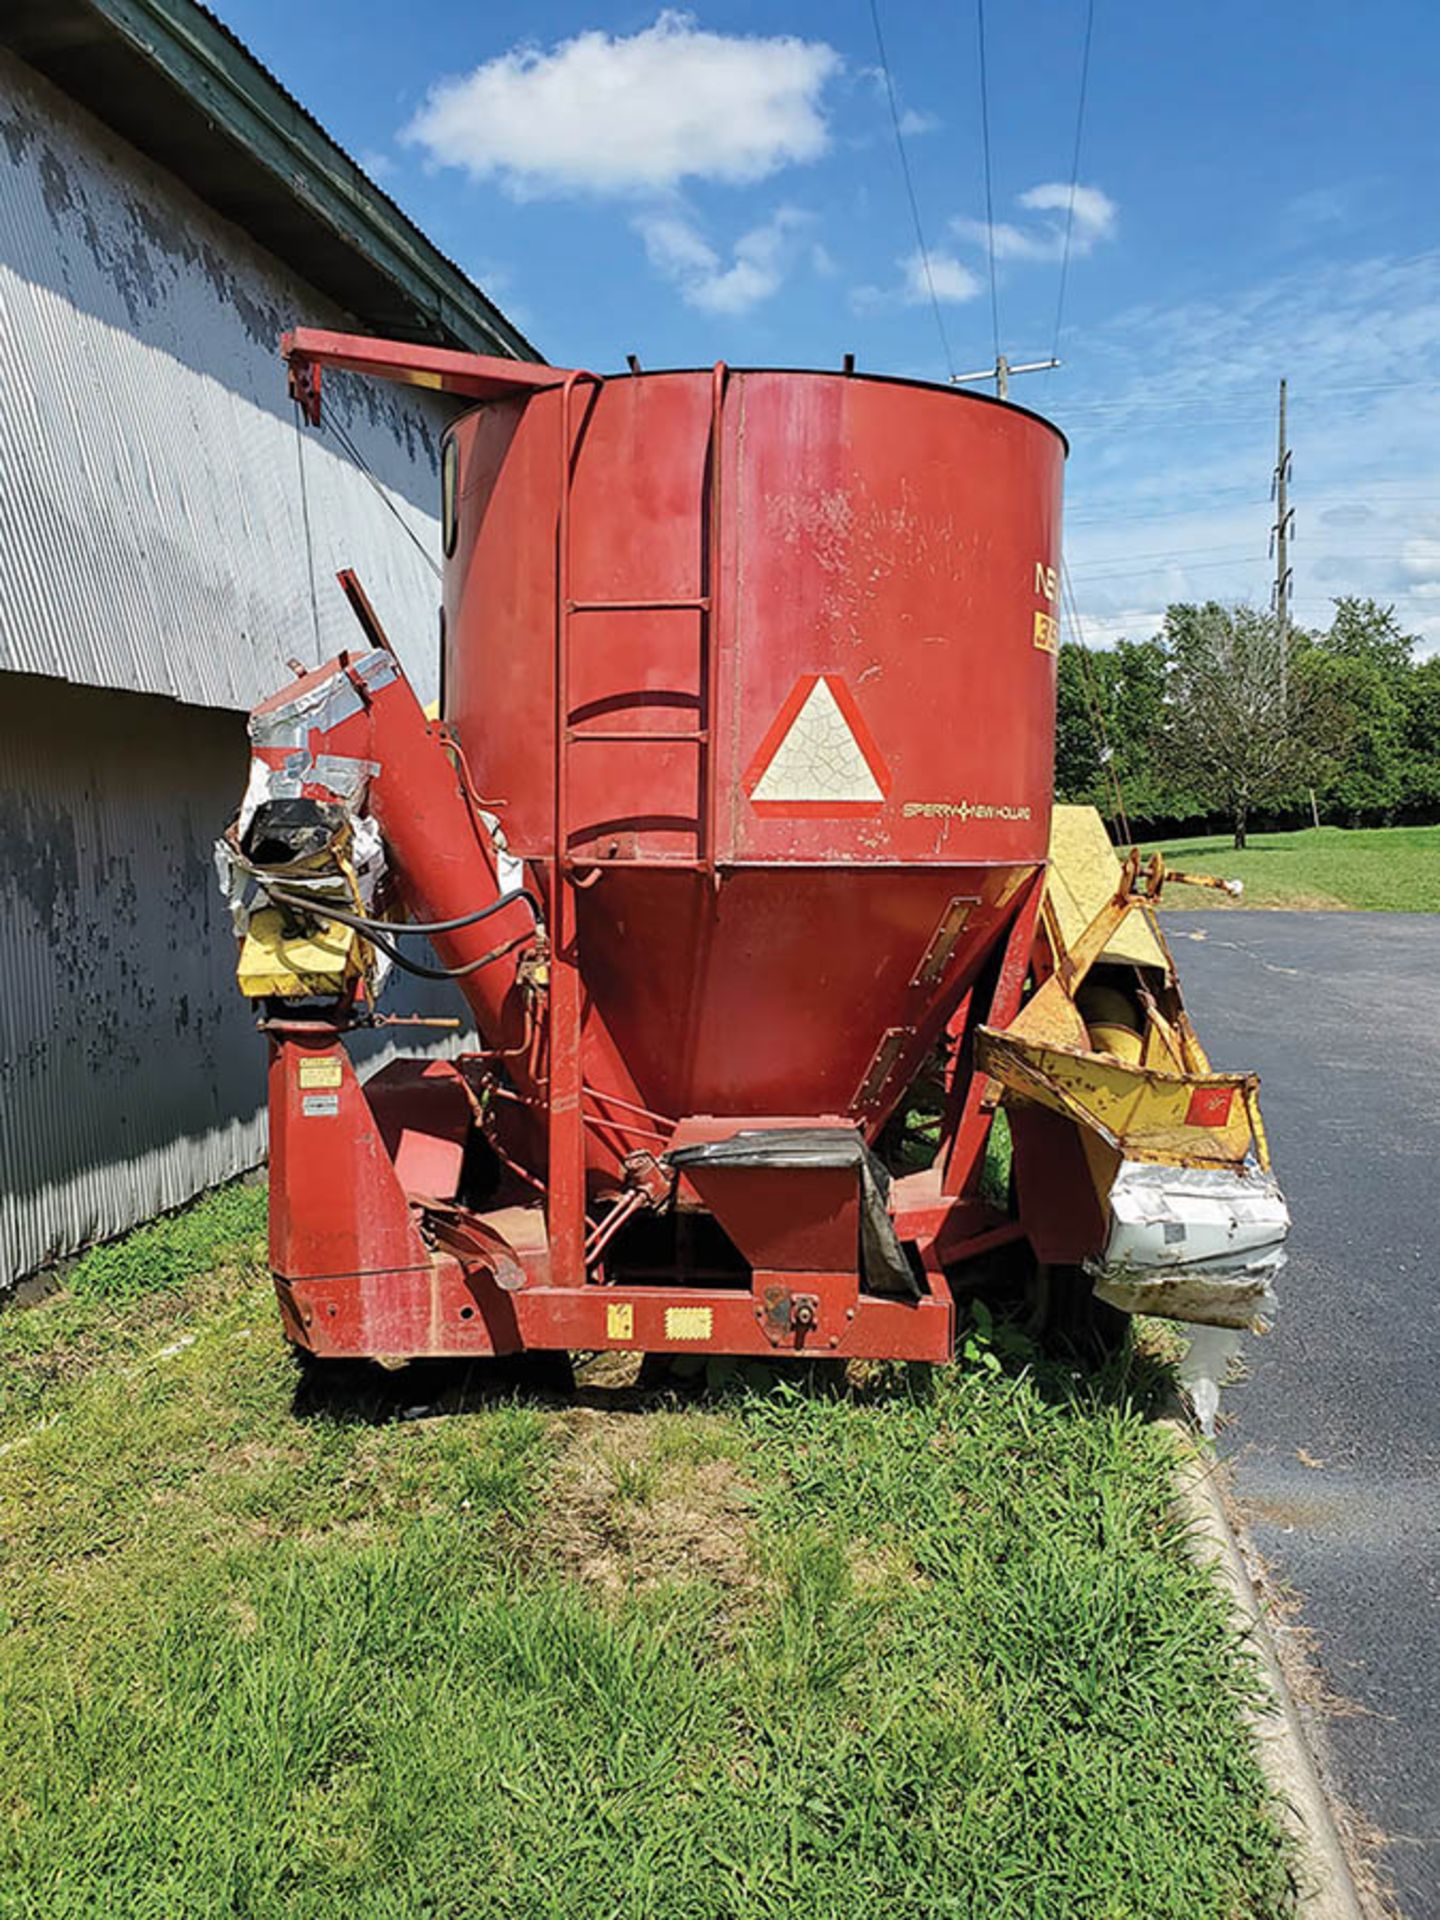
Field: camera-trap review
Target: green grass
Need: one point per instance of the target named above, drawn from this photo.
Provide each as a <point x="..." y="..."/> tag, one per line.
<point x="922" y="1645"/>
<point x="129" y="1296"/>
<point x="172" y="1250"/>
<point x="1384" y="869"/>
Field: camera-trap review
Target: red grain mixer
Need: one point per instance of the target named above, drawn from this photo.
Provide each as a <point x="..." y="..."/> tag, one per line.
<point x="732" y="827"/>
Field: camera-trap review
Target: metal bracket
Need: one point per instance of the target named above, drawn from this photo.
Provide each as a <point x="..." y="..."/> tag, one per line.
<point x="787" y="1317"/>
<point x="877" y="1075"/>
<point x="305" y="388"/>
<point x="936" y="956"/>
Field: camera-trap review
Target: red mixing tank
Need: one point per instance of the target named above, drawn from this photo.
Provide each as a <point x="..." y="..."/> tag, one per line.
<point x="756" y="671"/>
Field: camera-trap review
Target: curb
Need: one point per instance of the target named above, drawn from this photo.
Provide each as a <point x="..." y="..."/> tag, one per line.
<point x="1326" y="1887"/>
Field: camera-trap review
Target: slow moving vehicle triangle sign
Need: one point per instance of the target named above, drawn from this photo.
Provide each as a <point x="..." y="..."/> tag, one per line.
<point x="818" y="757"/>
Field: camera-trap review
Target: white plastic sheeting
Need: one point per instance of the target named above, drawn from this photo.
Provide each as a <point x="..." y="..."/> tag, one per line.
<point x="1193" y="1243"/>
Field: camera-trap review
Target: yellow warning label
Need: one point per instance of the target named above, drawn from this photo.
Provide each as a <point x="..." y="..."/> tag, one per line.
<point x="689" y="1323"/>
<point x="619" y="1321"/>
<point x="324" y="1071"/>
<point x="1047" y="632"/>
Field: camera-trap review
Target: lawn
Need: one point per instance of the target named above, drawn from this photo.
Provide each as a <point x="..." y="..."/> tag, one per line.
<point x="1384" y="869"/>
<point x="432" y="1645"/>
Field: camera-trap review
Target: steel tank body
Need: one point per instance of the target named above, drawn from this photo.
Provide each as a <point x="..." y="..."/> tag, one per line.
<point x="806" y="625"/>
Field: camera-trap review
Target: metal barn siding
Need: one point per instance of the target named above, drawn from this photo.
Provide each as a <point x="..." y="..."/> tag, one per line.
<point x="131" y="1074"/>
<point x="127" y="1082"/>
<point x="152" y="543"/>
<point x="151" y="513"/>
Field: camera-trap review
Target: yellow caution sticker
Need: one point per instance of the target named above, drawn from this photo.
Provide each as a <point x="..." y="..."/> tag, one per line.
<point x="323" y="1070"/>
<point x="1047" y="632"/>
<point x="689" y="1323"/>
<point x="619" y="1321"/>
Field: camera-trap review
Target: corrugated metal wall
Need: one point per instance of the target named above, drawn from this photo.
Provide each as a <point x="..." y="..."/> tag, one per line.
<point x="151" y="518"/>
<point x="131" y="1074"/>
<point x="151" y="539"/>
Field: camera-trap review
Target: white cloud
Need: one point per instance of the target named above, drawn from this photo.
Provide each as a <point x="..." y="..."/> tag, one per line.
<point x="951" y="278"/>
<point x="1095" y="212"/>
<point x="643" y="112"/>
<point x="759" y="262"/>
<point x="1420" y="560"/>
<point x="955" y="282"/>
<point x="1321" y="207"/>
<point x="914" y="121"/>
<point x="1130" y="623"/>
<point x="1044" y="239"/>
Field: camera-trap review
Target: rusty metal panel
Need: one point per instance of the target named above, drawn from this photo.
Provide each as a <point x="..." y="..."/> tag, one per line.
<point x="152" y="523"/>
<point x="131" y="1076"/>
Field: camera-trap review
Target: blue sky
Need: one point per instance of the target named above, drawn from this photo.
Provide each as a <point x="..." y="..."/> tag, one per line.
<point x="1258" y="196"/>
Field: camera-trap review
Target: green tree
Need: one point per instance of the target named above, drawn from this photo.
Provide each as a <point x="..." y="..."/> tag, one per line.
<point x="1079" y="768"/>
<point x="1249" y="720"/>
<point x="1136" y="717"/>
<point x="1110" y="726"/>
<point x="1422" y="734"/>
<point x="1366" y="664"/>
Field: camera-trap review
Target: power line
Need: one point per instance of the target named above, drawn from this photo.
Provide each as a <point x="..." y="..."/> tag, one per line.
<point x="1074" y="173"/>
<point x="1387" y="493"/>
<point x="1122" y="575"/>
<point x="910" y="189"/>
<point x="1238" y="397"/>
<point x="1237" y="547"/>
<point x="989" y="188"/>
<point x="1174" y="566"/>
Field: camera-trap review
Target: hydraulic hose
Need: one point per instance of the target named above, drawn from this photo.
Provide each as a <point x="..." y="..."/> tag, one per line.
<point x="377" y="931"/>
<point x="446" y="973"/>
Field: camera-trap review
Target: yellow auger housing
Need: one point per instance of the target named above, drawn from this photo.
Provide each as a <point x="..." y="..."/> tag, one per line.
<point x="1195" y="1221"/>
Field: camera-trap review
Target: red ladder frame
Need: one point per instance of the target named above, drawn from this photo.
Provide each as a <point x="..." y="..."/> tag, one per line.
<point x="565" y="1185"/>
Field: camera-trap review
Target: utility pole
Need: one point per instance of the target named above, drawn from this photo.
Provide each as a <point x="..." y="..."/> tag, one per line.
<point x="1280" y="536"/>
<point x="1000" y="373"/>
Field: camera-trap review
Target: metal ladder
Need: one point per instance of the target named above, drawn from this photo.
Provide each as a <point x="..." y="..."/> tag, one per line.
<point x="565" y="1183"/>
<point x="568" y="609"/>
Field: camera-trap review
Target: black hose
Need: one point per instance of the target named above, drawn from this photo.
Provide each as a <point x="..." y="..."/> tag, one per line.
<point x="323" y="910"/>
<point x="365" y="923"/>
<point x="446" y="973"/>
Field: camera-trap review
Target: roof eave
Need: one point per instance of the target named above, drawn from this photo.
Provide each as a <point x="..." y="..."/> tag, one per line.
<point x="248" y="148"/>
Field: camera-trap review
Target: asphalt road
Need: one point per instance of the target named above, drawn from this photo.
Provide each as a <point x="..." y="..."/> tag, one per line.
<point x="1334" y="1436"/>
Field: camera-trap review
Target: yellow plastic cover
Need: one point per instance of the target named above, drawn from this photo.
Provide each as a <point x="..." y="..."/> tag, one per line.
<point x="317" y="964"/>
